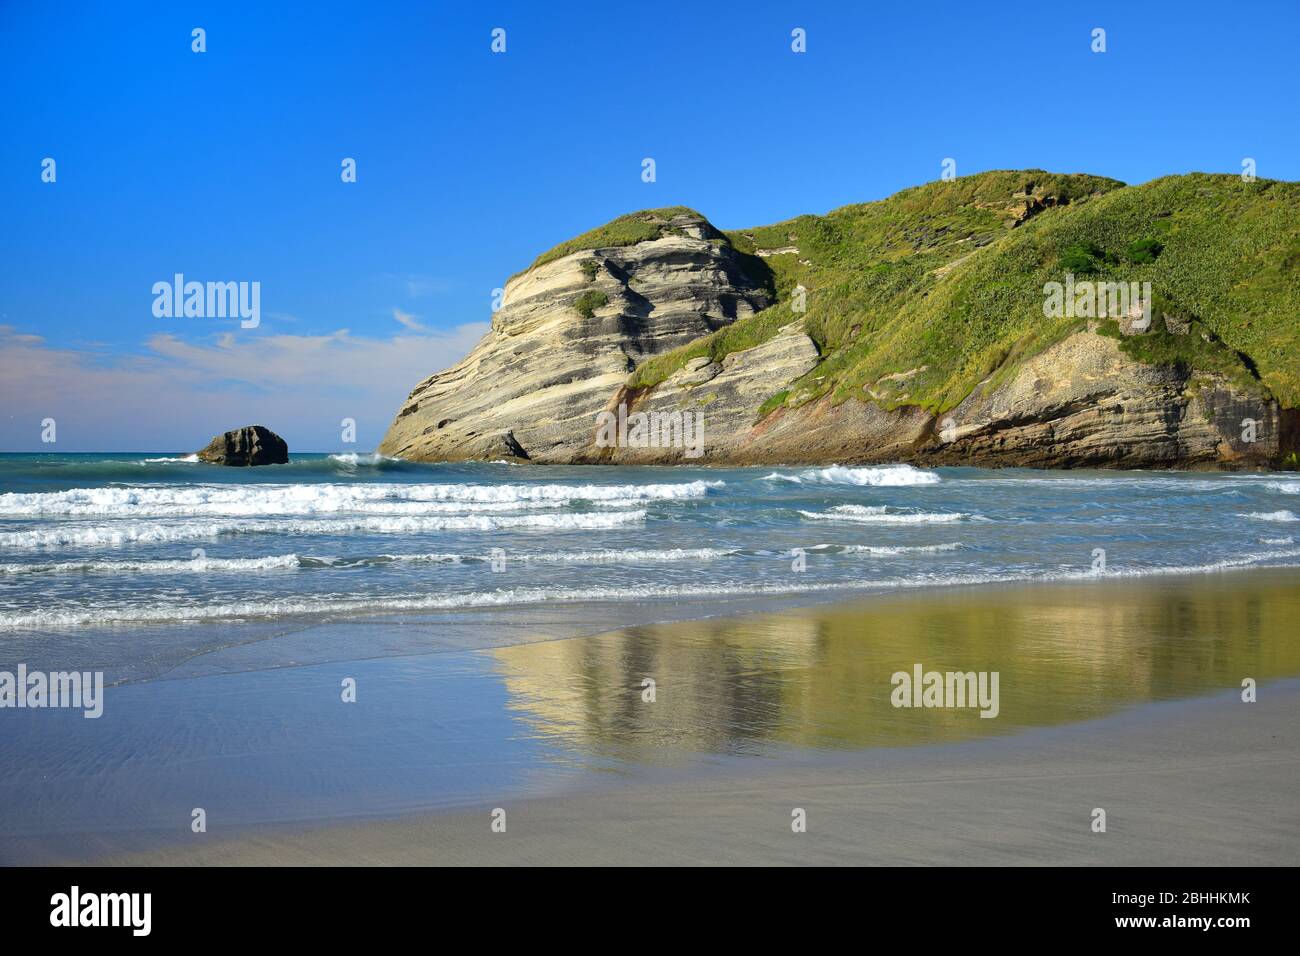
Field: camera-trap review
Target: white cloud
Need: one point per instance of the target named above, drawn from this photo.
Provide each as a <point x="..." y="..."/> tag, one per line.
<point x="410" y="321"/>
<point x="178" y="393"/>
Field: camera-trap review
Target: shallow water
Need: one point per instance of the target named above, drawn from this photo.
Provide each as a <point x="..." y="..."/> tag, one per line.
<point x="483" y="728"/>
<point x="821" y="677"/>
<point x="102" y="557"/>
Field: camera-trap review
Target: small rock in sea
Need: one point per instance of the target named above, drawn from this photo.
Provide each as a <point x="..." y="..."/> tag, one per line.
<point x="250" y="445"/>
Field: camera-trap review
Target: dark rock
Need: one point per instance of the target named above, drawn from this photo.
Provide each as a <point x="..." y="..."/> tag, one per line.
<point x="503" y="445"/>
<point x="250" y="445"/>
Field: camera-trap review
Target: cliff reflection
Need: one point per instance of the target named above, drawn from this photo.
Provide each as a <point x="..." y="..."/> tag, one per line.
<point x="820" y="677"/>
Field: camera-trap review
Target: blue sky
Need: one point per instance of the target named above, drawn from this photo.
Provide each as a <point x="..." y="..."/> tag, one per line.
<point x="225" y="165"/>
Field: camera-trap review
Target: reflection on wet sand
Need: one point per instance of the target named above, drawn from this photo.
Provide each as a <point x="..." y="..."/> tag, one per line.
<point x="820" y="677"/>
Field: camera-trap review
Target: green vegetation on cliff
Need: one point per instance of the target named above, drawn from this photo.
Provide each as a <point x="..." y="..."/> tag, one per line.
<point x="587" y="303"/>
<point x="624" y="231"/>
<point x="917" y="298"/>
<point x="862" y="265"/>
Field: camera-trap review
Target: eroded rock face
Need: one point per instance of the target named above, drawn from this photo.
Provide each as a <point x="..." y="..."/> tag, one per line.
<point x="722" y="398"/>
<point x="570" y="331"/>
<point x="1081" y="403"/>
<point x="250" y="445"/>
<point x="545" y="369"/>
<point x="1084" y="403"/>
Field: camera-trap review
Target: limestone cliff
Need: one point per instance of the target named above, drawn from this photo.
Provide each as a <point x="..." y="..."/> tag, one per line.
<point x="907" y="330"/>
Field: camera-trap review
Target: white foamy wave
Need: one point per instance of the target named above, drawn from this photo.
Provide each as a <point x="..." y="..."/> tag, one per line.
<point x="1285" y="487"/>
<point x="900" y="549"/>
<point x="630" y="555"/>
<point x="607" y="556"/>
<point x="353" y="459"/>
<point x="295" y="561"/>
<point x="880" y="476"/>
<point x="174" y="611"/>
<point x="323" y="504"/>
<point x="1287" y="540"/>
<point x="186" y="459"/>
<point x="116" y="535"/>
<point x="309" y="499"/>
<point x="881" y="514"/>
<point x="1271" y="516"/>
<point x="162" y="566"/>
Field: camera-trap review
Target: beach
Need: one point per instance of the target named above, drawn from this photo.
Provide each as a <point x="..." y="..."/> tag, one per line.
<point x="1120" y="695"/>
<point x="1204" y="784"/>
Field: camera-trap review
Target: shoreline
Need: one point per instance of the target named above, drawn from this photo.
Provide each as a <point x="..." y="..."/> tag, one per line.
<point x="785" y="701"/>
<point x="664" y="606"/>
<point x="1028" y="799"/>
<point x="548" y="620"/>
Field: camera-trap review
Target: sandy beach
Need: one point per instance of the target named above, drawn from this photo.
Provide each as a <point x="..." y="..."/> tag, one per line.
<point x="1119" y="695"/>
<point x="1202" y="783"/>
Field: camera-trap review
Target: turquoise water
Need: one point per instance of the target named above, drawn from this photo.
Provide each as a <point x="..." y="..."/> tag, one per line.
<point x="124" y="551"/>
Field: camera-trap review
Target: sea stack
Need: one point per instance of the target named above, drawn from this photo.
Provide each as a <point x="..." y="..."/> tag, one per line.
<point x="250" y="445"/>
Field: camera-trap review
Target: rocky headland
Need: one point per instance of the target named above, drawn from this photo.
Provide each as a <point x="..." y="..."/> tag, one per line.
<point x="917" y="328"/>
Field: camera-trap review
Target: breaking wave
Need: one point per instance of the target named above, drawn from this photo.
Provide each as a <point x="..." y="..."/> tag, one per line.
<point x="153" y="532"/>
<point x="1271" y="516"/>
<point x="308" y="499"/>
<point x="883" y="514"/>
<point x="879" y="476"/>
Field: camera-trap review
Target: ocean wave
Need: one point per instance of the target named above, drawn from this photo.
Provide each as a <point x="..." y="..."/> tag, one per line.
<point x="200" y="565"/>
<point x="1271" y="516"/>
<point x="303" y="507"/>
<point x="882" y="514"/>
<point x="1174" y="482"/>
<point x="174" y="612"/>
<point x="184" y="459"/>
<point x="631" y="555"/>
<point x="879" y="476"/>
<point x="901" y="549"/>
<point x="606" y="556"/>
<point x="354" y="459"/>
<point x="1284" y="487"/>
<point x="154" y="533"/>
<point x="1286" y="540"/>
<point x="307" y="499"/>
<point x="160" y="566"/>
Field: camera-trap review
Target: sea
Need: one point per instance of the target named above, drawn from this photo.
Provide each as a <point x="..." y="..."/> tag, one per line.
<point x="351" y="635"/>
<point x="97" y="546"/>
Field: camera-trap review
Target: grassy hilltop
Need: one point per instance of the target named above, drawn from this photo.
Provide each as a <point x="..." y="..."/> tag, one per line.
<point x="915" y="299"/>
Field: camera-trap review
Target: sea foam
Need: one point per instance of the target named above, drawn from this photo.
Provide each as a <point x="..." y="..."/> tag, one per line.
<point x="882" y="514"/>
<point x="879" y="476"/>
<point x="307" y="499"/>
<point x="123" y="533"/>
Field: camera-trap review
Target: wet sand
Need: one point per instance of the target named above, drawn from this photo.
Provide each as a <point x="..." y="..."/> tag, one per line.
<point x="1203" y="783"/>
<point x="1114" y="694"/>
